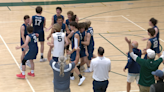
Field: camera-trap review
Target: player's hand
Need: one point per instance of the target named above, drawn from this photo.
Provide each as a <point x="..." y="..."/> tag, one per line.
<point x="37" y="35"/>
<point x="144" y="39"/>
<point x="48" y="38"/>
<point x="78" y="49"/>
<point x="127" y="40"/>
<point x="17" y="47"/>
<point x="26" y="48"/>
<point x="69" y="53"/>
<point x="124" y="69"/>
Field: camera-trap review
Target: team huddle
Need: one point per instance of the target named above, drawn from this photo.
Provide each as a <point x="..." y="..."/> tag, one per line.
<point x="63" y="33"/>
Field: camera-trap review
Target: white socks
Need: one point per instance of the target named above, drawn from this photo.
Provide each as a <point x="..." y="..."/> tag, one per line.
<point x="32" y="71"/>
<point x="41" y="54"/>
<point x="23" y="72"/>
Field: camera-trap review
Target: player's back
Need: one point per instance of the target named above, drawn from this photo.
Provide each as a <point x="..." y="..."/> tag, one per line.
<point x="58" y="44"/>
<point x="82" y="39"/>
<point x="38" y="23"/>
<point x="154" y="43"/>
<point x="91" y="44"/>
<point x="33" y="46"/>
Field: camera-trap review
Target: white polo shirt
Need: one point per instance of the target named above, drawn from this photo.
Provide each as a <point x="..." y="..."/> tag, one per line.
<point x="100" y="67"/>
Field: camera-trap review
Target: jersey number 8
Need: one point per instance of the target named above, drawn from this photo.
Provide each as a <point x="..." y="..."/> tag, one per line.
<point x="59" y="38"/>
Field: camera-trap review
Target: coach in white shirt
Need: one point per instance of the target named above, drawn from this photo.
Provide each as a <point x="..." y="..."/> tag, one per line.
<point x="100" y="66"/>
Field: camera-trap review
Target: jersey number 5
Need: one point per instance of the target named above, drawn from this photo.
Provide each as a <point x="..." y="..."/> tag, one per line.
<point x="37" y="22"/>
<point x="59" y="38"/>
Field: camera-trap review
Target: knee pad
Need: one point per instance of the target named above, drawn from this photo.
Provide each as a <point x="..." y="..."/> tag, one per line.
<point x="24" y="62"/>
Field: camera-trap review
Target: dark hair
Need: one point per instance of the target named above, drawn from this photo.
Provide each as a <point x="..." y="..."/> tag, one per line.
<point x="38" y="9"/>
<point x="151" y="31"/>
<point x="73" y="18"/>
<point x="81" y="25"/>
<point x="101" y="51"/>
<point x="86" y="26"/>
<point x="153" y="21"/>
<point x="73" y="23"/>
<point x="59" y="8"/>
<point x="70" y="12"/>
<point x="59" y="17"/>
<point x="30" y="29"/>
<point x="26" y="17"/>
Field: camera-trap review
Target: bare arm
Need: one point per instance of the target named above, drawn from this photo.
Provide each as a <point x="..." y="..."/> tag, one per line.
<point x="52" y="31"/>
<point x="66" y="41"/>
<point x="25" y="44"/>
<point x="49" y="54"/>
<point x="67" y="29"/>
<point x="148" y="47"/>
<point x="22" y="33"/>
<point x="88" y="40"/>
<point x="52" y="22"/>
<point x="156" y="32"/>
<point x="30" y="21"/>
<point x="44" y="25"/>
<point x="70" y="35"/>
<point x="77" y="56"/>
<point x="78" y="38"/>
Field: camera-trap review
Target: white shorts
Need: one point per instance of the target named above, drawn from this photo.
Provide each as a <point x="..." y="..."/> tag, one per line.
<point x="131" y="77"/>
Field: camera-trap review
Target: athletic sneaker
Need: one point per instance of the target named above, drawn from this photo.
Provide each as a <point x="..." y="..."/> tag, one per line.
<point x="43" y="60"/>
<point x="72" y="78"/>
<point x="20" y="76"/>
<point x="81" y="80"/>
<point x="31" y="74"/>
<point x="28" y="63"/>
<point x="87" y="70"/>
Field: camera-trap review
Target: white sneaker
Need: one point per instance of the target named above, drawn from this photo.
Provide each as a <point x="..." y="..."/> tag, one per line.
<point x="81" y="80"/>
<point x="28" y="63"/>
<point x="43" y="60"/>
<point x="72" y="78"/>
<point x="87" y="70"/>
<point x="20" y="66"/>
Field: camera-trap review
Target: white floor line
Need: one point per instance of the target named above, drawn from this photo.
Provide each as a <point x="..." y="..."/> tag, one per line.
<point x="16" y="62"/>
<point x="137" y="25"/>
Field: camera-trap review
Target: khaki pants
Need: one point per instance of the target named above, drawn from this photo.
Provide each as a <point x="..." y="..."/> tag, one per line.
<point x="144" y="88"/>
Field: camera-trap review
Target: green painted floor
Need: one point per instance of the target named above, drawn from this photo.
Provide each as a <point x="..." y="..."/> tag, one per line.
<point x="22" y="3"/>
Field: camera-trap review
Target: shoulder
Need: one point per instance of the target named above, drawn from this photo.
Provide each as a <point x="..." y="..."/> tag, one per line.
<point x="94" y="59"/>
<point x="62" y="16"/>
<point x="107" y="59"/>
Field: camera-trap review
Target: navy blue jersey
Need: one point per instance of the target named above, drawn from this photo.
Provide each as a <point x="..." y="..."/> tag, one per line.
<point x="83" y="35"/>
<point x="38" y="23"/>
<point x="154" y="43"/>
<point x="63" y="28"/>
<point x="157" y="33"/>
<point x="80" y="36"/>
<point x="67" y="22"/>
<point x="55" y="18"/>
<point x="33" y="43"/>
<point x="91" y="44"/>
<point x="25" y="32"/>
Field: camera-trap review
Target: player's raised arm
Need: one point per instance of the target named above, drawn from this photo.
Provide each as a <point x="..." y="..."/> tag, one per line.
<point x="28" y="39"/>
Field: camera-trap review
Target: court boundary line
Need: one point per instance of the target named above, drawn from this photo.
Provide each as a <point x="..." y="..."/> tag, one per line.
<point x="137" y="25"/>
<point x="16" y="63"/>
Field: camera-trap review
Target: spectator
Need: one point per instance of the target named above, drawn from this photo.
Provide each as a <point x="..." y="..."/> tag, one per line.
<point x="100" y="67"/>
<point x="147" y="66"/>
<point x="133" y="67"/>
<point x="159" y="86"/>
<point x="62" y="71"/>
